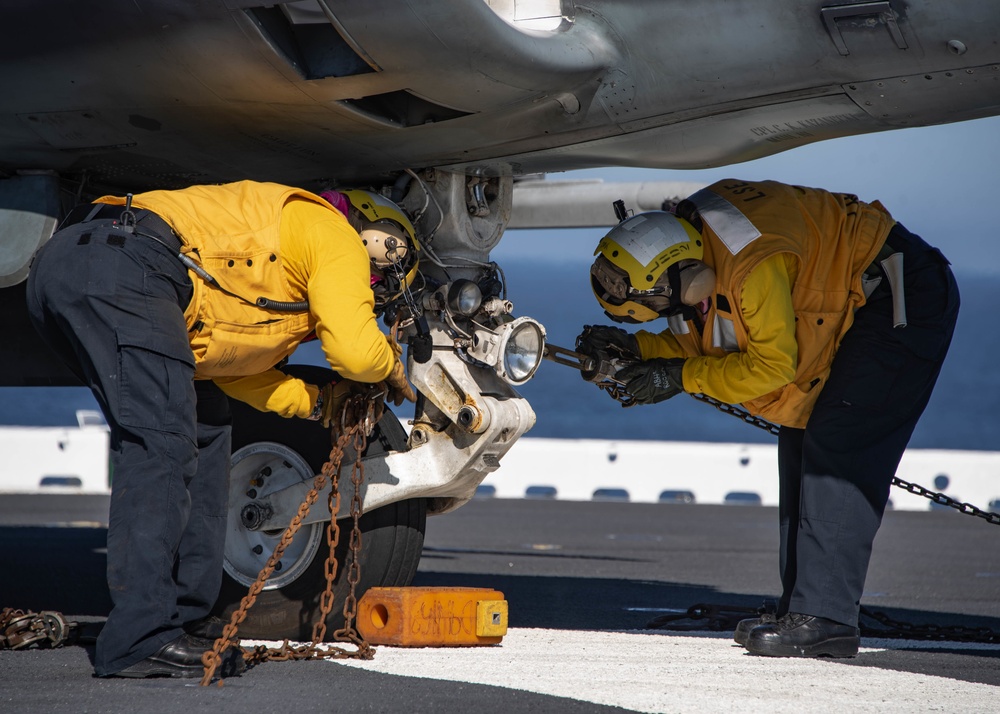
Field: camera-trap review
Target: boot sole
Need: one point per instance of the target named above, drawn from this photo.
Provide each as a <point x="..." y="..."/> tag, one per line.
<point x="149" y="671"/>
<point x="834" y="647"/>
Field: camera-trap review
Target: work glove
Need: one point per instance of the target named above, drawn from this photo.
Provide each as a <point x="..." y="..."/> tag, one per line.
<point x="606" y="342"/>
<point x="399" y="389"/>
<point x="653" y="380"/>
<point x="397" y="349"/>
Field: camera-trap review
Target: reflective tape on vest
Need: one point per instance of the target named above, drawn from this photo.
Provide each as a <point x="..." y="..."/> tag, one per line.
<point x="733" y="228"/>
<point x="677" y="325"/>
<point x="724" y="334"/>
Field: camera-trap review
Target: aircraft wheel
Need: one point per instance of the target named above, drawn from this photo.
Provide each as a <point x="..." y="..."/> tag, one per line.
<point x="269" y="450"/>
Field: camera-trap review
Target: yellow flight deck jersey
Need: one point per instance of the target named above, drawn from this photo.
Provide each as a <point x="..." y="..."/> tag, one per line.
<point x="788" y="263"/>
<point x="287" y="245"/>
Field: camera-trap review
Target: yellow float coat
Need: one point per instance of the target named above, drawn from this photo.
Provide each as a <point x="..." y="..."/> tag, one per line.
<point x="788" y="281"/>
<point x="284" y="244"/>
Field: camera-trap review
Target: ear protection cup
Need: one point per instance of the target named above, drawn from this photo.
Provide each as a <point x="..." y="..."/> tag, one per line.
<point x="697" y="282"/>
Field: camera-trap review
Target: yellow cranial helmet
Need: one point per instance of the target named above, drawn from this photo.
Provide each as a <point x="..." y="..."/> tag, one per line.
<point x="389" y="238"/>
<point x="636" y="274"/>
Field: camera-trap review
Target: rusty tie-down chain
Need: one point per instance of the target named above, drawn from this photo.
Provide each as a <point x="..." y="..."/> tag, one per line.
<point x="359" y="416"/>
<point x="21" y="629"/>
<point x="914" y="488"/>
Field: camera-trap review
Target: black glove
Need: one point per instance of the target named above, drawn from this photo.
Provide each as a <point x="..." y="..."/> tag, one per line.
<point x="606" y="342"/>
<point x="653" y="380"/>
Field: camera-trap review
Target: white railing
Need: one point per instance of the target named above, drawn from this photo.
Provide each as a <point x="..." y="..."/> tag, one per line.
<point x="75" y="460"/>
<point x="56" y="459"/>
<point x="698" y="472"/>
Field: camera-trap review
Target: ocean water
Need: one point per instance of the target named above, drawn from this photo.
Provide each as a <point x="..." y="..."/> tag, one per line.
<point x="964" y="412"/>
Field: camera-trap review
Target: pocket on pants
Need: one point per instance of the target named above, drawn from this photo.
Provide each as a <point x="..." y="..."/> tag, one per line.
<point x="156" y="383"/>
<point x="866" y="379"/>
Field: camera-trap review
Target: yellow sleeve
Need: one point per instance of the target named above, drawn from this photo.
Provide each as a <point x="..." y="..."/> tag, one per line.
<point x="771" y="357"/>
<point x="327" y="261"/>
<point x="652" y="345"/>
<point x="272" y="391"/>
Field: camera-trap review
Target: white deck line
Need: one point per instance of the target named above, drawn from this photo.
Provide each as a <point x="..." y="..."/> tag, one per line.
<point x="693" y="672"/>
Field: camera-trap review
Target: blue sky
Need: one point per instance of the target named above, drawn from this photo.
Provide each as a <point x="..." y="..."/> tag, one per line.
<point x="941" y="182"/>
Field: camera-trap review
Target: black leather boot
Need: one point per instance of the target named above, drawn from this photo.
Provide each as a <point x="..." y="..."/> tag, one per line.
<point x="177" y="658"/>
<point x="209" y="628"/>
<point x="743" y="627"/>
<point x="182" y="658"/>
<point x="798" y="635"/>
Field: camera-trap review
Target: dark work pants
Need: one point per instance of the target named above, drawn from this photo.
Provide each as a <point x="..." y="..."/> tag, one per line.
<point x="111" y="304"/>
<point x="835" y="474"/>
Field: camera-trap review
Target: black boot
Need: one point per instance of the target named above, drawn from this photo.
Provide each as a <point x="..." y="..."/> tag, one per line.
<point x="743" y="627"/>
<point x="182" y="658"/>
<point x="209" y="628"/>
<point x="177" y="658"/>
<point x="797" y="635"/>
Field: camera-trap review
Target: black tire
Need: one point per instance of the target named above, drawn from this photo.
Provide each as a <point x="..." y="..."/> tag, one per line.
<point x="392" y="537"/>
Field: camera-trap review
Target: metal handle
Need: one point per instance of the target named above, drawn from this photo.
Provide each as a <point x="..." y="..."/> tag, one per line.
<point x="883" y="9"/>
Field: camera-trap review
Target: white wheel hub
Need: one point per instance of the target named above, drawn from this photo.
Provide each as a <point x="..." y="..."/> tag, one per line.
<point x="257" y="470"/>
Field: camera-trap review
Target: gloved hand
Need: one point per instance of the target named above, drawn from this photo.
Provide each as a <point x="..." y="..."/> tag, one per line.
<point x="653" y="380"/>
<point x="607" y="342"/>
<point x="397" y="349"/>
<point x="399" y="389"/>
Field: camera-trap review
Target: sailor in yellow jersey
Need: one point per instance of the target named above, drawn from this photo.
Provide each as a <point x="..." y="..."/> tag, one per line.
<point x="815" y="311"/>
<point x="158" y="302"/>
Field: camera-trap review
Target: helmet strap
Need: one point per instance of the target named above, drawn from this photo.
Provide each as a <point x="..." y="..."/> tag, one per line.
<point x="687" y="312"/>
<point x="676" y="306"/>
<point x="622" y="319"/>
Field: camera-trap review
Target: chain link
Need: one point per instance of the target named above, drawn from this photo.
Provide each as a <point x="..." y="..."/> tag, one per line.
<point x="704" y="616"/>
<point x="607" y="382"/>
<point x="735" y="411"/>
<point x="899" y="629"/>
<point x="945" y="500"/>
<point x="721" y="617"/>
<point x="616" y="390"/>
<point x="357" y="419"/>
<point x="935" y="496"/>
<point x="347" y="632"/>
<point x="22" y="629"/>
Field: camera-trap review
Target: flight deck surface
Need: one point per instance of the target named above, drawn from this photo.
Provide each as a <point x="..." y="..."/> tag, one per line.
<point x="582" y="580"/>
